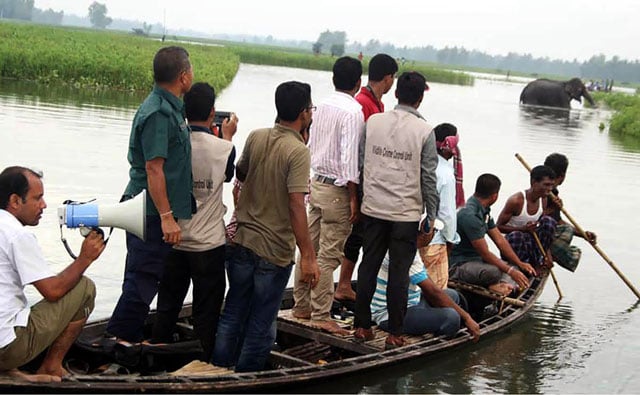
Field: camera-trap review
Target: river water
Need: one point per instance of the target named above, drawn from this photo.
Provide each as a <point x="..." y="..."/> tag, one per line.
<point x="587" y="342"/>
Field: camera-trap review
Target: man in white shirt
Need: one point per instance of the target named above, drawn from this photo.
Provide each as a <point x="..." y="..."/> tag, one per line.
<point x="333" y="206"/>
<point x="56" y="321"/>
<point x="435" y="255"/>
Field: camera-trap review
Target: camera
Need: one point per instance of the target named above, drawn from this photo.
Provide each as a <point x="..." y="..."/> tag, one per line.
<point x="217" y="121"/>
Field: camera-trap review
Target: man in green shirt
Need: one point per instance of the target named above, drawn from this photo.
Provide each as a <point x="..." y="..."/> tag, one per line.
<point x="471" y="261"/>
<point x="160" y="159"/>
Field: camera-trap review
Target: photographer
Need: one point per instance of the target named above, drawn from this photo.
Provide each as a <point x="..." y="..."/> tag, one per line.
<point x="201" y="254"/>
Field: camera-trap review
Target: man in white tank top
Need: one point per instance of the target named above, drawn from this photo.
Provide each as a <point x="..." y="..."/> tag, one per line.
<point x="522" y="218"/>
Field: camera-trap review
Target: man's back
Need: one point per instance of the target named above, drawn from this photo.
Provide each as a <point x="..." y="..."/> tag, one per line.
<point x="275" y="162"/>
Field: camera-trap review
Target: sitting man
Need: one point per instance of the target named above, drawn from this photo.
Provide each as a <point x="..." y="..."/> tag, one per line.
<point x="430" y="311"/>
<point x="56" y="321"/>
<point x="471" y="261"/>
<point x="565" y="254"/>
<point x="529" y="232"/>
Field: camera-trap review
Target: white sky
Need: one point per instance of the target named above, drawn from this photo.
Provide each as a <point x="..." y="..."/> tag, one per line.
<point x="563" y="29"/>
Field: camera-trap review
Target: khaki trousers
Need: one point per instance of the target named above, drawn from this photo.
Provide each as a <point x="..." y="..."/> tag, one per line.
<point x="47" y="320"/>
<point x="329" y="227"/>
<point x="436" y="261"/>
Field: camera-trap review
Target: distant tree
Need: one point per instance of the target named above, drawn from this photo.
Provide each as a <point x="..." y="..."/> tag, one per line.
<point x="49" y="16"/>
<point x="328" y="38"/>
<point x="317" y="48"/>
<point x="98" y="15"/>
<point x="147" y="27"/>
<point x="16" y="9"/>
<point x="337" y="49"/>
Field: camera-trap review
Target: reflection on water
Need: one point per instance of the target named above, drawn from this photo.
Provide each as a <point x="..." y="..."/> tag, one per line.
<point x="587" y="343"/>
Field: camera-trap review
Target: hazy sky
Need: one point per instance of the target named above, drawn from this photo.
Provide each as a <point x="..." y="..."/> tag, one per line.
<point x="564" y="29"/>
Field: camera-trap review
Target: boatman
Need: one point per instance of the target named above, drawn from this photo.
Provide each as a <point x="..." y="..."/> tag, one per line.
<point x="160" y="162"/>
<point x="274" y="169"/>
<point x="337" y="127"/>
<point x="56" y="321"/>
<point x="523" y="221"/>
<point x="399" y="159"/>
<point x="382" y="72"/>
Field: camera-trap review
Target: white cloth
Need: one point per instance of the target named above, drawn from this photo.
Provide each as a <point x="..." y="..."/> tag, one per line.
<point x="21" y="263"/>
<point x="520" y="220"/>
<point x="446" y="186"/>
<point x="205" y="230"/>
<point x="338" y="124"/>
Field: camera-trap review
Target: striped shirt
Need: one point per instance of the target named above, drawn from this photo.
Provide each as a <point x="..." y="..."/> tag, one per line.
<point x="338" y="124"/>
<point x="417" y="274"/>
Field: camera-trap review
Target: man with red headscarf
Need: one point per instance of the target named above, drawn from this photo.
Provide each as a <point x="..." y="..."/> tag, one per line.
<point x="449" y="186"/>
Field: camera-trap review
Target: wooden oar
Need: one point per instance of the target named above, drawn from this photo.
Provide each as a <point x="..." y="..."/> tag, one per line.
<point x="584" y="235"/>
<point x="544" y="256"/>
<point x="478" y="290"/>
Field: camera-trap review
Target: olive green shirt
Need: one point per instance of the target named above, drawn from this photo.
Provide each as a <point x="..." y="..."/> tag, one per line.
<point x="473" y="222"/>
<point x="274" y="163"/>
<point x="159" y="130"/>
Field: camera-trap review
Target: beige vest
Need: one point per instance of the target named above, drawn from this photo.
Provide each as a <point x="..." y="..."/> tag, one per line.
<point x="394" y="143"/>
<point x="209" y="157"/>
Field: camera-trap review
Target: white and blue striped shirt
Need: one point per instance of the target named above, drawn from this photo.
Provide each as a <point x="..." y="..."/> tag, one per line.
<point x="417" y="274"/>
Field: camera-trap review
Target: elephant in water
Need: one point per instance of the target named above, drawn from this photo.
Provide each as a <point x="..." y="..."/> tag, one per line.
<point x="543" y="92"/>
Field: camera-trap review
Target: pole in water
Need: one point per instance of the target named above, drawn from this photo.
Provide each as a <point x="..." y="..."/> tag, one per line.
<point x="593" y="244"/>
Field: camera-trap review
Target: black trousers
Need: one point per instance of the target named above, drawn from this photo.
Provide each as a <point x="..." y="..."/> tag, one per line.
<point x="206" y="270"/>
<point x="399" y="239"/>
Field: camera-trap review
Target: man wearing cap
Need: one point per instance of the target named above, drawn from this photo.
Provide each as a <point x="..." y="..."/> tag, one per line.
<point x="399" y="159"/>
<point x="435" y="255"/>
<point x="333" y="143"/>
<point x="382" y="70"/>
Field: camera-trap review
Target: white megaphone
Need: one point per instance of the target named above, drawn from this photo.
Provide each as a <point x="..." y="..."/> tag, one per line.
<point x="130" y="215"/>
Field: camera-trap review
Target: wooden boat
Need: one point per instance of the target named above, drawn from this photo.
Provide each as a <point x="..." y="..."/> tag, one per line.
<point x="302" y="354"/>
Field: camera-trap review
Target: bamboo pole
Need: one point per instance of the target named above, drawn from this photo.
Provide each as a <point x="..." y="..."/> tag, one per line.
<point x="544" y="256"/>
<point x="593" y="244"/>
<point x="486" y="293"/>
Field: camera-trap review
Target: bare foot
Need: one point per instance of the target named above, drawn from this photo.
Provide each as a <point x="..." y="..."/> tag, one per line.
<point x="58" y="371"/>
<point x="331" y="327"/>
<point x="303" y="315"/>
<point x="503" y="289"/>
<point x="345" y="294"/>
<point x="32" y="378"/>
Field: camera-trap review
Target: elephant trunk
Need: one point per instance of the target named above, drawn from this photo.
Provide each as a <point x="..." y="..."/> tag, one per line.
<point x="589" y="98"/>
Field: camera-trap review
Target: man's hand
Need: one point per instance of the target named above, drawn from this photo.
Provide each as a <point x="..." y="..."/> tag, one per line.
<point x="530" y="227"/>
<point x="527" y="268"/>
<point x="556" y="201"/>
<point x="474" y="328"/>
<point x="548" y="260"/>
<point x="590" y="237"/>
<point x="171" y="233"/>
<point x="92" y="246"/>
<point x="518" y="277"/>
<point x="230" y="127"/>
<point x="310" y="271"/>
<point x="355" y="210"/>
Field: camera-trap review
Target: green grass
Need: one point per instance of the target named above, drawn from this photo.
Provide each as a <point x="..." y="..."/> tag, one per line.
<point x="99" y="59"/>
<point x="625" y="122"/>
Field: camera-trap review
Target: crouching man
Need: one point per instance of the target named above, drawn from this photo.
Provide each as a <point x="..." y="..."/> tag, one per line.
<point x="56" y="321"/>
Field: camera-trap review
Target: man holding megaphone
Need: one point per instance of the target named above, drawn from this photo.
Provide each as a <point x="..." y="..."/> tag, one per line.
<point x="160" y="162"/>
<point x="56" y="321"/>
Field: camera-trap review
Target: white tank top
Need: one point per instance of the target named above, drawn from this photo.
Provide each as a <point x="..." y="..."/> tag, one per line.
<point x="520" y="220"/>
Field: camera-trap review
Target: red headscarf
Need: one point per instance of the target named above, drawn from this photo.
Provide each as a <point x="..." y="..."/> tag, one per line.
<point x="451" y="142"/>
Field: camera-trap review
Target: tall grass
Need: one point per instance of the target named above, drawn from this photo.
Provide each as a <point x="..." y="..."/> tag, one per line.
<point x="626" y="119"/>
<point x="100" y="59"/>
<point x="275" y="56"/>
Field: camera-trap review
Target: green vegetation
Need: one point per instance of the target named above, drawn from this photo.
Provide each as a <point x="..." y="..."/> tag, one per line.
<point x="626" y="120"/>
<point x="88" y="58"/>
<point x="276" y="56"/>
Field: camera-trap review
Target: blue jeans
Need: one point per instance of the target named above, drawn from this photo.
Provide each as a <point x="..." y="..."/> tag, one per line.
<point x="245" y="334"/>
<point x="422" y="318"/>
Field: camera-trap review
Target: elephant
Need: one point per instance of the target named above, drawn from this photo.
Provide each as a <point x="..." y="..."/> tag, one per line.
<point x="543" y="92"/>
